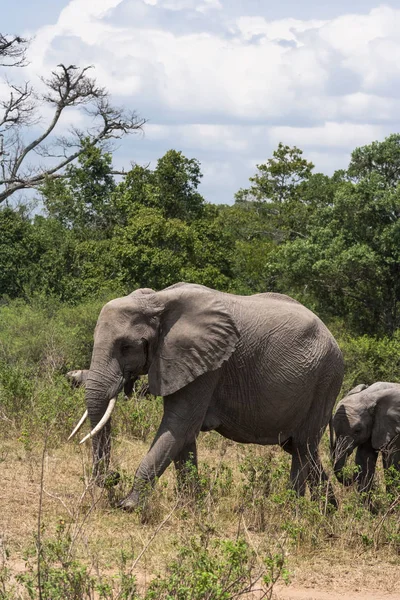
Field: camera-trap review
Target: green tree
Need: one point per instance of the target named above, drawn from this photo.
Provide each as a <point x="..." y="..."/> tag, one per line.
<point x="15" y="251"/>
<point x="52" y="271"/>
<point x="154" y="251"/>
<point x="66" y="267"/>
<point x="82" y="199"/>
<point x="382" y="158"/>
<point x="250" y="237"/>
<point x="171" y="188"/>
<point x="277" y="192"/>
<point x="177" y="179"/>
<point x="349" y="263"/>
<point x="212" y="257"/>
<point x="151" y="250"/>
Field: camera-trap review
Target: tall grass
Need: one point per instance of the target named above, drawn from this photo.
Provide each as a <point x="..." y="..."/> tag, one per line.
<point x="241" y="505"/>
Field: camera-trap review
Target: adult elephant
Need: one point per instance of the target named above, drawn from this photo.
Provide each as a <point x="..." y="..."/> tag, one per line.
<point x="258" y="369"/>
<point x="368" y="419"/>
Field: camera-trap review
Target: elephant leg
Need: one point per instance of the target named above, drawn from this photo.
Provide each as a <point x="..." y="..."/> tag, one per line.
<point x="366" y="458"/>
<point x="184" y="413"/>
<point x="300" y="468"/>
<point x="186" y="467"/>
<point x="391" y="466"/>
<point x="307" y="469"/>
<point x="320" y="486"/>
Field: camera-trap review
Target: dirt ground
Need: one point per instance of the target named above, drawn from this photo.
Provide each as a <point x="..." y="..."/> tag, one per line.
<point x="315" y="576"/>
<point x="294" y="593"/>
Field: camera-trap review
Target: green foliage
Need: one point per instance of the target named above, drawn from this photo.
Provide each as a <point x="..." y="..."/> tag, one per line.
<point x="332" y="242"/>
<point x="171" y="189"/>
<point x="150" y="230"/>
<point x="265" y="484"/>
<point x="217" y="569"/>
<point x="155" y="251"/>
<point x="139" y="417"/>
<point x="15" y="250"/>
<point x="151" y="250"/>
<point x="61" y="577"/>
<point x="222" y="570"/>
<point x="53" y="572"/>
<point x="177" y="179"/>
<point x="251" y="240"/>
<point x="40" y="342"/>
<point x="278" y="192"/>
<point x="382" y="158"/>
<point x="278" y="179"/>
<point x="47" y="335"/>
<point x="348" y="261"/>
<point x="82" y="199"/>
<point x="369" y="359"/>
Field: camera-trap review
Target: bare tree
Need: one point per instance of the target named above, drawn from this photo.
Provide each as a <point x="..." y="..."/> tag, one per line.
<point x="12" y="51"/>
<point x="67" y="87"/>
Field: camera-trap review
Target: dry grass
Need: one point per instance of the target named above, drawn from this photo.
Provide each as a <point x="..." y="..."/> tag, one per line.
<point x="340" y="551"/>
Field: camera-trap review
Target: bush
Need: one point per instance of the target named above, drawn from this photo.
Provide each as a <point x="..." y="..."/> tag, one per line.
<point x="39" y="343"/>
<point x="370" y="359"/>
<point x="220" y="570"/>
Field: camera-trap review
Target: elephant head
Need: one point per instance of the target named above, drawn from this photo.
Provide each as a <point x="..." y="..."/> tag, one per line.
<point x="174" y="336"/>
<point x="77" y="378"/>
<point x="368" y="418"/>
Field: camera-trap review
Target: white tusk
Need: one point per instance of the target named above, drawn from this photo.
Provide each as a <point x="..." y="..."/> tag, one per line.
<point x="81" y="422"/>
<point x="102" y="421"/>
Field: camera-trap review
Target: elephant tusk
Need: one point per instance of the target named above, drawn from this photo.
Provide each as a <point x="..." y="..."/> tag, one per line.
<point x="81" y="422"/>
<point x="102" y="421"/>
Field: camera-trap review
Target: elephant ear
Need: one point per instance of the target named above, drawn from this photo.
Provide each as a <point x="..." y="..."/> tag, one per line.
<point x="357" y="389"/>
<point x="386" y="421"/>
<point x="197" y="334"/>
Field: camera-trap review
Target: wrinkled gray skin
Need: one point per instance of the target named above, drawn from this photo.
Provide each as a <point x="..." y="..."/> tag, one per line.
<point x="258" y="369"/>
<point x="368" y="419"/>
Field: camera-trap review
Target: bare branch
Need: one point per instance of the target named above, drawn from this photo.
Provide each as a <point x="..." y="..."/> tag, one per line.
<point x="18" y="109"/>
<point x="68" y="87"/>
<point x="12" y="51"/>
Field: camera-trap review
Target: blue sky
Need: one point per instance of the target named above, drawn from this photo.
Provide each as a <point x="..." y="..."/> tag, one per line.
<point x="226" y="80"/>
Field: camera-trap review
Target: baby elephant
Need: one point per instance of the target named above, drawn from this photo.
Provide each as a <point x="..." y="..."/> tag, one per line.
<point x="368" y="419"/>
<point x="78" y="378"/>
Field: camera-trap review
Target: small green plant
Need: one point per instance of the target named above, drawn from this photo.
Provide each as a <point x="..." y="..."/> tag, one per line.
<point x="257" y="473"/>
<point x="392" y="482"/>
<point x="56" y="575"/>
<point x="7" y="589"/>
<point x="139" y="417"/>
<point x="217" y="570"/>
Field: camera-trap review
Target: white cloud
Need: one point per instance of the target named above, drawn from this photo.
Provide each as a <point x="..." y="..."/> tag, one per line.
<point x="282" y="29"/>
<point x="205" y="136"/>
<point x="329" y="135"/>
<point x="236" y="85"/>
<point x="177" y="5"/>
<point x="211" y="73"/>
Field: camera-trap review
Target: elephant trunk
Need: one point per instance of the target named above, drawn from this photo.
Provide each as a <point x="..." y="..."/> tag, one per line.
<point x="103" y="383"/>
<point x="340" y="456"/>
